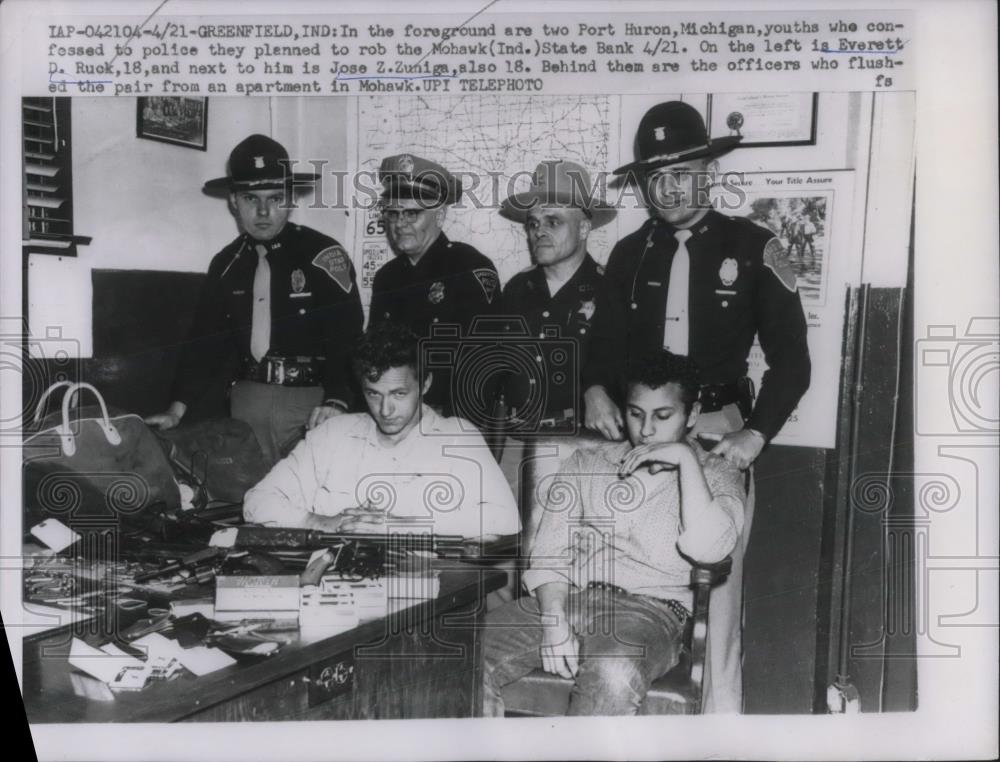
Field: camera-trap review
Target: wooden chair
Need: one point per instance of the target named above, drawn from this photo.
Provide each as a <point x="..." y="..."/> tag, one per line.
<point x="542" y="694"/>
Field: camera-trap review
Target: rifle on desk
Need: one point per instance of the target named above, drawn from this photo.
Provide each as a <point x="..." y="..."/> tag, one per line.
<point x="278" y="538"/>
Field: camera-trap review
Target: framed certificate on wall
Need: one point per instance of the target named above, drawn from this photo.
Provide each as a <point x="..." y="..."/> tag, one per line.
<point x="764" y="119"/>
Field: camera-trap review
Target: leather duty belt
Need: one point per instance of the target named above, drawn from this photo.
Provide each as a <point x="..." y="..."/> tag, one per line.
<point x="714" y="397"/>
<point x="284" y="371"/>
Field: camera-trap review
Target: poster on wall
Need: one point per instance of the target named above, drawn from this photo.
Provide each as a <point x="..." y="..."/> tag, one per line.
<point x="810" y="213"/>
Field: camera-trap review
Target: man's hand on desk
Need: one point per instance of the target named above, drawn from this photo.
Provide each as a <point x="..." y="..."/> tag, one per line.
<point x="361" y="520"/>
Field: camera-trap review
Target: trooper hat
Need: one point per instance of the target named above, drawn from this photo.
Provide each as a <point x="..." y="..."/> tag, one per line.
<point x="408" y="176"/>
<point x="257" y="163"/>
<point x="670" y="133"/>
<point x="559" y="183"/>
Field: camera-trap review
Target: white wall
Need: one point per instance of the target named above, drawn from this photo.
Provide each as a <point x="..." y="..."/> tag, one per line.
<point x="141" y="200"/>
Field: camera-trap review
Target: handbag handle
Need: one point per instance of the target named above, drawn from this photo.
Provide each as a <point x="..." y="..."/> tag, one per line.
<point x="40" y="408"/>
<point x="68" y="441"/>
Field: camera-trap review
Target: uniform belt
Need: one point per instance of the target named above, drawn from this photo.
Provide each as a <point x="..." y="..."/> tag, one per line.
<point x="714" y="397"/>
<point x="676" y="606"/>
<point x="284" y="371"/>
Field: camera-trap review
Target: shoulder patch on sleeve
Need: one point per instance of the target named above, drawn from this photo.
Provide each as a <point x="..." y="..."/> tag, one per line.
<point x="776" y="260"/>
<point x="488" y="281"/>
<point x="334" y="261"/>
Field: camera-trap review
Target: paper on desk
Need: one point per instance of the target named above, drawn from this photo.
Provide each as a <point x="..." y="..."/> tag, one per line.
<point x="200" y="660"/>
<point x="224" y="538"/>
<point x="104" y="665"/>
<point x="203" y="606"/>
<point x="54" y="534"/>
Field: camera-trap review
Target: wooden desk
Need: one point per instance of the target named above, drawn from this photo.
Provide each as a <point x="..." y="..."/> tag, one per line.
<point x="424" y="661"/>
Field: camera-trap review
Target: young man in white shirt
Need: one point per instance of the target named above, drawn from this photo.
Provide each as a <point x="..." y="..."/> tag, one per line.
<point x="399" y="464"/>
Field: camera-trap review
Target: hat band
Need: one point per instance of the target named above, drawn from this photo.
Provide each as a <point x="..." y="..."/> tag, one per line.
<point x="677" y="155"/>
<point x="389" y="182"/>
<point x="287" y="179"/>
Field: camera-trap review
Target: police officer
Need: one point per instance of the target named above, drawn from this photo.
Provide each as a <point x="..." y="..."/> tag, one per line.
<point x="279" y="310"/>
<point x="433" y="283"/>
<point x="702" y="284"/>
<point x="557" y="296"/>
<point x="554" y="302"/>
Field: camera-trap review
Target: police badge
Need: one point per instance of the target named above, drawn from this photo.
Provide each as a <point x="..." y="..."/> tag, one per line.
<point x="436" y="293"/>
<point x="298" y="281"/>
<point x="729" y="271"/>
<point x="587" y="308"/>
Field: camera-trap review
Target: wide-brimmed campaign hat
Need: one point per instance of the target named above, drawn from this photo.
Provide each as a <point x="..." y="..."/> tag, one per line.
<point x="559" y="183"/>
<point x="406" y="176"/>
<point x="670" y="133"/>
<point x="258" y="163"/>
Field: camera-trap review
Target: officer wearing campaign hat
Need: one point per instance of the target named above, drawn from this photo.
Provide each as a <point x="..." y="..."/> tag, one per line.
<point x="432" y="281"/>
<point x="702" y="284"/>
<point x="559" y="293"/>
<point x="552" y="303"/>
<point x="278" y="312"/>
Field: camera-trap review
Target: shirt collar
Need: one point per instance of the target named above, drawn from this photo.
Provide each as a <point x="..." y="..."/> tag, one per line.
<point x="586" y="268"/>
<point x="663" y="229"/>
<point x="276" y="243"/>
<point x="430" y="257"/>
<point x="429" y="421"/>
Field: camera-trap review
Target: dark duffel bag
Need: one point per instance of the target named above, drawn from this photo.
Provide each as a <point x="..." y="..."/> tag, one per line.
<point x="220" y="459"/>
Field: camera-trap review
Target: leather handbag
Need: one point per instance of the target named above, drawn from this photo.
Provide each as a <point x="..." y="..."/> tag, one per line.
<point x="93" y="464"/>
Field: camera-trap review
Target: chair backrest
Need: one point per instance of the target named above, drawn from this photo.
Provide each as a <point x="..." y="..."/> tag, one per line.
<point x="544" y="456"/>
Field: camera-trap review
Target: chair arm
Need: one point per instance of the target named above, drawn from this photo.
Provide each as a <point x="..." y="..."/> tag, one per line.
<point x="711" y="574"/>
<point x="703" y="578"/>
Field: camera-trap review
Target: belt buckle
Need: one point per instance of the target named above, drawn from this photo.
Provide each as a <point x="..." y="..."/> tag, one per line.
<point x="275" y="371"/>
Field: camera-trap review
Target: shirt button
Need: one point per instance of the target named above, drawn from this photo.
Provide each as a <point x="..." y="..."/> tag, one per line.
<point x="538" y="358"/>
<point x="583" y="330"/>
<point x="545" y="314"/>
<point x="435" y="320"/>
<point x="541" y="335"/>
<point x="302" y="312"/>
<point x="725" y="303"/>
<point x="386" y="315"/>
<point x="634" y="306"/>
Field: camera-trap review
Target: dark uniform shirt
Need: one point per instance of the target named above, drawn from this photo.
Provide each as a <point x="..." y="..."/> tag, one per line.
<point x="740" y="285"/>
<point x="315" y="311"/>
<point x="449" y="286"/>
<point x="561" y="322"/>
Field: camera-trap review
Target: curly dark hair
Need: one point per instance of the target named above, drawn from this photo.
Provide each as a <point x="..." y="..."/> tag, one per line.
<point x="386" y="345"/>
<point x="661" y="367"/>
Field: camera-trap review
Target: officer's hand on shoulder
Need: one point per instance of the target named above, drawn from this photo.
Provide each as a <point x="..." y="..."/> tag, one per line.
<point x="324" y="412"/>
<point x="601" y="414"/>
<point x="741" y="448"/>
